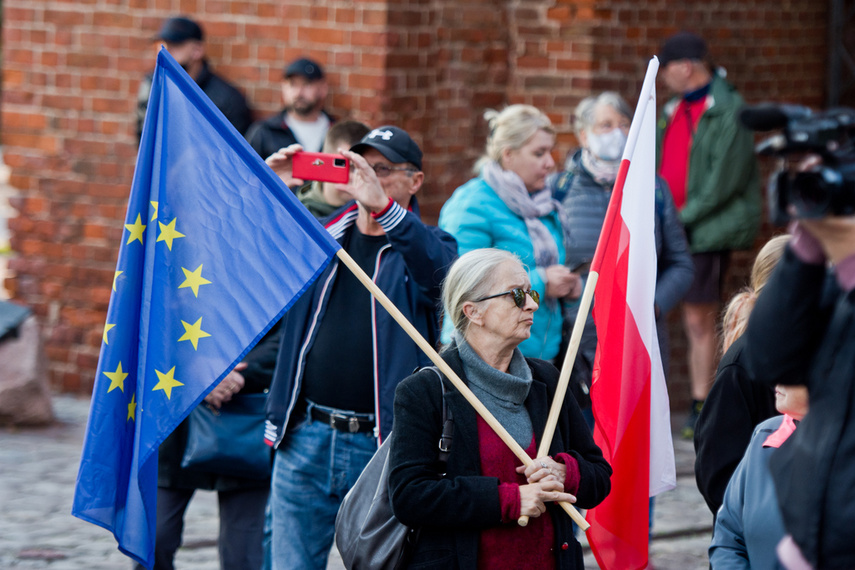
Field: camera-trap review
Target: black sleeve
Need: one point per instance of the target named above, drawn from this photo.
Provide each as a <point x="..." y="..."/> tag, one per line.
<point x="787" y="322"/>
<point x="143" y="92"/>
<point x="734" y="406"/>
<point x="255" y="137"/>
<point x="261" y="361"/>
<point x="419" y="495"/>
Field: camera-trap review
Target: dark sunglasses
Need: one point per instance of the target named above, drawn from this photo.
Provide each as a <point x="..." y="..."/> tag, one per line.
<point x="519" y="296"/>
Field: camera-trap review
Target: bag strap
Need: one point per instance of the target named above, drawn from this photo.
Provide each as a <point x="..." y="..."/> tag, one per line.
<point x="447" y="423"/>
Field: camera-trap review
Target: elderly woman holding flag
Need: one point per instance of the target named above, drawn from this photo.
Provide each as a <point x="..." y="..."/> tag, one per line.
<point x="467" y="515"/>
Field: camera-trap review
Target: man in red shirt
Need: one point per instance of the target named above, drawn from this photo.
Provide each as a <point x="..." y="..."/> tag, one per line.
<point x="707" y="158"/>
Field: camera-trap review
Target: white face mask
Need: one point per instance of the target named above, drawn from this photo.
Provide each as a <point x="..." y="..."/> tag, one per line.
<point x="608" y="146"/>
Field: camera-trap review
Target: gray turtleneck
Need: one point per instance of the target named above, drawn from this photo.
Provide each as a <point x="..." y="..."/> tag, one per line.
<point x="503" y="393"/>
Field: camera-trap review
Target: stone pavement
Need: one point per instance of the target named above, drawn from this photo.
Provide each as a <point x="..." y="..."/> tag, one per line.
<point x="38" y="468"/>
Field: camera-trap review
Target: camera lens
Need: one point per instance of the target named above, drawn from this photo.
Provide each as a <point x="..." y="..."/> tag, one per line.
<point x="340" y="163"/>
<point x="813" y="191"/>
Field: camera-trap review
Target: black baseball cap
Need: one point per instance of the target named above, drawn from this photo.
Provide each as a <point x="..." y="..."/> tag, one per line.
<point x="305" y="67"/>
<point x="178" y="30"/>
<point x="682" y="45"/>
<point x="393" y="143"/>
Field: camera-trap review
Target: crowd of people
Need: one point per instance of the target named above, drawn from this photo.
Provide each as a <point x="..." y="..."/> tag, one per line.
<point x="496" y="286"/>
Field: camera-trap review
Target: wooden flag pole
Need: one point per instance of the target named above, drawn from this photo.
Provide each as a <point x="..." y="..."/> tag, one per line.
<point x="566" y="369"/>
<point x="449" y="373"/>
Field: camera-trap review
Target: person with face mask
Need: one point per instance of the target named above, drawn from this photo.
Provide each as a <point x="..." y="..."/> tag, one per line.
<point x="602" y="123"/>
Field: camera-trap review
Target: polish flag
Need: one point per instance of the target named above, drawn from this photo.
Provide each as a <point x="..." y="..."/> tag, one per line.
<point x="630" y="400"/>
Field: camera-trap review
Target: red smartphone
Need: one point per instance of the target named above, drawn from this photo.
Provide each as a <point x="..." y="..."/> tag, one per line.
<point x="320" y="166"/>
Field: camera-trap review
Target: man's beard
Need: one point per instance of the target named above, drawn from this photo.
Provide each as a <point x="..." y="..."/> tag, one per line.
<point x="303" y="107"/>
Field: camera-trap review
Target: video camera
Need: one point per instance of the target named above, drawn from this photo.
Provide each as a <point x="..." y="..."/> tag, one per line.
<point x="825" y="189"/>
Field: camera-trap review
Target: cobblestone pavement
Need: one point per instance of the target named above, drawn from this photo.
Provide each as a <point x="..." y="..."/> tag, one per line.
<point x="38" y="468"/>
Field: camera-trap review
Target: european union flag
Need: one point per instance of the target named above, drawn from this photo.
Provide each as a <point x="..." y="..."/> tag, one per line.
<point x="215" y="249"/>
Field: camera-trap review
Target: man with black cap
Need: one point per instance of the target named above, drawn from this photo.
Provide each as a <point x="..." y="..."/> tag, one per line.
<point x="303" y="120"/>
<point x="341" y="354"/>
<point x="707" y="158"/>
<point x="185" y="41"/>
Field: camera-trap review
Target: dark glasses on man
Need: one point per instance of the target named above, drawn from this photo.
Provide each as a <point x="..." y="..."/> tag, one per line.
<point x="383" y="171"/>
<point x="519" y="296"/>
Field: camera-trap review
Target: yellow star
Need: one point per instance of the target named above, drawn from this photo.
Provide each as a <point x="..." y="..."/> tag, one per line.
<point x="117" y="379"/>
<point x="193" y="279"/>
<point x="193" y="333"/>
<point x="107" y="328"/>
<point x="132" y="408"/>
<point x="168" y="233"/>
<point x="154" y="215"/>
<point x="136" y="229"/>
<point x="166" y="382"/>
<point x="115" y="277"/>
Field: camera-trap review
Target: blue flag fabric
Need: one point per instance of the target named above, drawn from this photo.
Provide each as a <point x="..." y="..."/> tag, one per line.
<point x="215" y="249"/>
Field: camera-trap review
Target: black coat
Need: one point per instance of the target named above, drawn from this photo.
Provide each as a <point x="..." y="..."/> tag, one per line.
<point x="269" y="135"/>
<point x="222" y="94"/>
<point x="733" y="408"/>
<point x="257" y="376"/>
<point x="451" y="511"/>
<point x="799" y="332"/>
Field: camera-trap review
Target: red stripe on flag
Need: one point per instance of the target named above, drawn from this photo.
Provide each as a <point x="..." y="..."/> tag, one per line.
<point x="621" y="396"/>
<point x="612" y="214"/>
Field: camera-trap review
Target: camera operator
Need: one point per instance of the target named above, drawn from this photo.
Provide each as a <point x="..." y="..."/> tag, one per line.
<point x="802" y="331"/>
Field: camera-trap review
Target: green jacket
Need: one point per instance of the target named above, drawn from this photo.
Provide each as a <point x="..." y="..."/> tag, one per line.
<point x="312" y="197"/>
<point x="723" y="198"/>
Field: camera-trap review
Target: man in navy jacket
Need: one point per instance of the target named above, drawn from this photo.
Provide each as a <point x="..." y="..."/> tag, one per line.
<point x="341" y="355"/>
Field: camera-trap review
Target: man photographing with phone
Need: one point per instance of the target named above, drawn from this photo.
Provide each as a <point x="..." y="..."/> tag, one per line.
<point x="321" y="196"/>
<point x="802" y="331"/>
<point x="341" y="354"/>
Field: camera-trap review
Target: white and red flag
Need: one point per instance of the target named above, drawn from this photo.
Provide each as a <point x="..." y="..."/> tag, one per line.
<point x="630" y="400"/>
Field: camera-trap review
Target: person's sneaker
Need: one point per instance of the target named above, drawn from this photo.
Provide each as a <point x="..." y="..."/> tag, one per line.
<point x="694" y="412"/>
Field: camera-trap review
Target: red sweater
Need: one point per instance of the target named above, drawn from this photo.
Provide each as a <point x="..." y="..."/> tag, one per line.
<point x="676" y="147"/>
<point x="510" y="546"/>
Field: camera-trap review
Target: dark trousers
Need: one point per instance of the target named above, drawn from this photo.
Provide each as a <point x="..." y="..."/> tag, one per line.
<point x="241" y="527"/>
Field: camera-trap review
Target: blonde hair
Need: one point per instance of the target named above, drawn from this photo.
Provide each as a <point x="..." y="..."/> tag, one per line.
<point x="740" y="306"/>
<point x="471" y="277"/>
<point x="511" y="129"/>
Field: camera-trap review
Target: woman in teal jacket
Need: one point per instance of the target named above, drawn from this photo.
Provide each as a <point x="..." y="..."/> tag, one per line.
<point x="508" y="206"/>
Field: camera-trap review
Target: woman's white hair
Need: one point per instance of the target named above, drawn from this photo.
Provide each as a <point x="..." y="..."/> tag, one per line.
<point x="471" y="277"/>
<point x="583" y="116"/>
<point x="511" y="129"/>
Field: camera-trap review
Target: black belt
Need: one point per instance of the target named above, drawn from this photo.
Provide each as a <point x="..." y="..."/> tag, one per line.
<point x="344" y="421"/>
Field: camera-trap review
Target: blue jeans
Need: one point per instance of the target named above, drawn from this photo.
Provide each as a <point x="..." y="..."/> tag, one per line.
<point x="314" y="468"/>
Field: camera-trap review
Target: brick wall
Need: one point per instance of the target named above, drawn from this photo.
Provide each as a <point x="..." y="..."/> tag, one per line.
<point x="71" y="70"/>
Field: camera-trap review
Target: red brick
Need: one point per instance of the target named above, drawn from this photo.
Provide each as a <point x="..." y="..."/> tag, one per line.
<point x="71" y="70"/>
<point x="27" y="121"/>
<point x="64" y="18"/>
<point x="113" y="20"/>
<point x="321" y="35"/>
